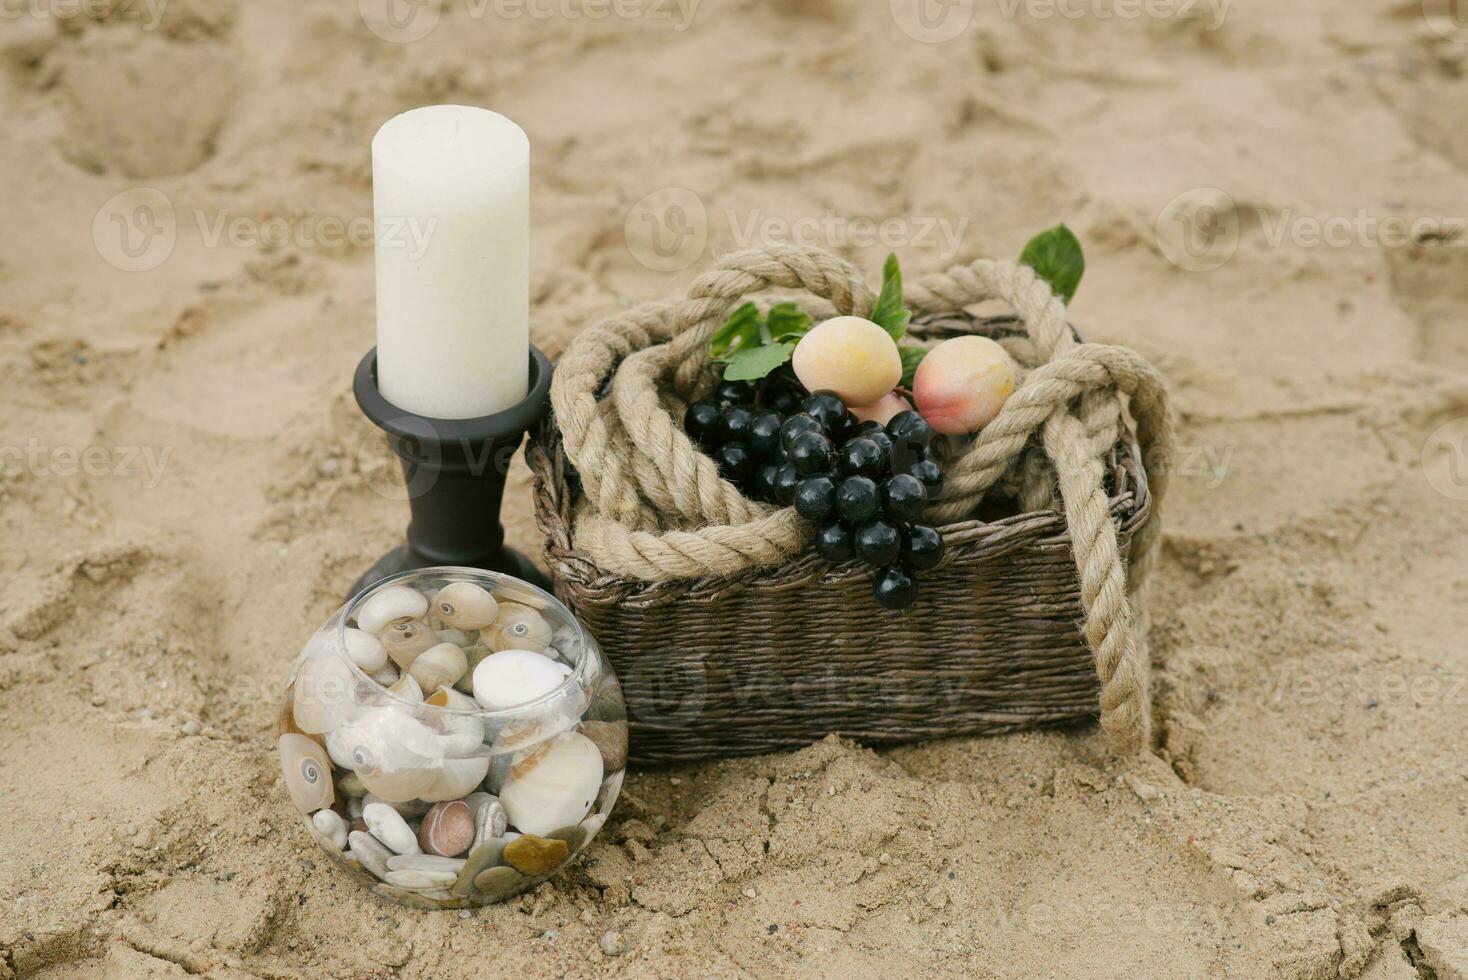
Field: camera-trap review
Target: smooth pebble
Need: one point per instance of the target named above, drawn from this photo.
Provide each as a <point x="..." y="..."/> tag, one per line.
<point x="447" y="829"/>
<point x="499" y="883"/>
<point x="512" y="677"/>
<point x="388" y="826"/>
<point x="369" y="852"/>
<point x="364" y="650"/>
<point x="535" y="856"/>
<point x="330" y="825"/>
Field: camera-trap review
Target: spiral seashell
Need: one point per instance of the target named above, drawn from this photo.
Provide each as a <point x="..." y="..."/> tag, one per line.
<point x="364" y="650"/>
<point x="518" y="627"/>
<point x="405" y="640"/>
<point x="465" y="606"/>
<point x="439" y="666"/>
<point x="554" y="786"/>
<point x="394" y="755"/>
<point x="307" y="772"/>
<point x="394" y="604"/>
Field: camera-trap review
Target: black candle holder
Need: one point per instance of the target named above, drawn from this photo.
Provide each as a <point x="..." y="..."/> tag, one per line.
<point x="454" y="471"/>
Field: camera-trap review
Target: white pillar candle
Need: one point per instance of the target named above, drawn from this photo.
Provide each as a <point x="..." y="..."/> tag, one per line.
<point x="451" y="199"/>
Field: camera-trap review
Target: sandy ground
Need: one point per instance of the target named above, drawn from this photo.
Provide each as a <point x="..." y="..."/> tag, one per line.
<point x="188" y="489"/>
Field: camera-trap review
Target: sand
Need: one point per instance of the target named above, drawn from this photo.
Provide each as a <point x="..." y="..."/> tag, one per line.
<point x="188" y="489"/>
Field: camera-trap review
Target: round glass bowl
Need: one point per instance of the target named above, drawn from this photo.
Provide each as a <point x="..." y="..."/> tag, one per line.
<point x="453" y="736"/>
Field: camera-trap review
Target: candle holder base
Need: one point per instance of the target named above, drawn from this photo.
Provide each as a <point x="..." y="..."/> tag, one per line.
<point x="454" y="471"/>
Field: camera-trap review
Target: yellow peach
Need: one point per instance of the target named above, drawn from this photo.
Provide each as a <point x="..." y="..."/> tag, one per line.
<point x="851" y="356"/>
<point x="962" y="383"/>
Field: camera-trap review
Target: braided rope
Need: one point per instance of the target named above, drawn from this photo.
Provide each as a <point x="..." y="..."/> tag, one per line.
<point x="657" y="510"/>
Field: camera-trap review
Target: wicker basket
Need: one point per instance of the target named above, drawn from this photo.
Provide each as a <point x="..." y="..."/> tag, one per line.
<point x="774" y="658"/>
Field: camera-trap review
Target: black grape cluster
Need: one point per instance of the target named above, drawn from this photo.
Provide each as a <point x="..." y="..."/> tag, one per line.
<point x="863" y="484"/>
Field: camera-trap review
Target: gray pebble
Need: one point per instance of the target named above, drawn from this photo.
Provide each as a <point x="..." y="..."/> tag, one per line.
<point x="613" y="944"/>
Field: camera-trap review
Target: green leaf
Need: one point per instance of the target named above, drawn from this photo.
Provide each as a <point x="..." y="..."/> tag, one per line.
<point x="787" y="321"/>
<point x="740" y="331"/>
<point x="889" y="313"/>
<point x="756" y="362"/>
<point x="911" y="358"/>
<point x="1056" y="256"/>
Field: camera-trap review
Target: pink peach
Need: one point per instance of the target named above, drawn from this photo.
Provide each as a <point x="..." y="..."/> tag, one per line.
<point x="962" y="383"/>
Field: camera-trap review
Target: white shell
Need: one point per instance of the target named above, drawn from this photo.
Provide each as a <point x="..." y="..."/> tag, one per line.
<point x="387" y="676"/>
<point x="394" y="755"/>
<point x="307" y="772"/>
<point x="457" y="637"/>
<point x="517" y="628"/>
<point x="456" y="779"/>
<point x="439" y="666"/>
<point x="388" y="826"/>
<point x="323" y="694"/>
<point x="391" y="605"/>
<point x="465" y="606"/>
<point x="364" y="650"/>
<point x="553" y="787"/>
<point x="513" y="677"/>
<point x="408" y="689"/>
<point x="462" y="734"/>
<point x="330" y="825"/>
<point x="404" y="641"/>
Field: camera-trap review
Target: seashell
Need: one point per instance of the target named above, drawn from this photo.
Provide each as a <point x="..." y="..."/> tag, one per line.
<point x="394" y="604"/>
<point x="364" y="650"/>
<point x="447" y="829"/>
<point x="405" y="641"/>
<point x="307" y="771"/>
<point x="456" y="778"/>
<point x="497" y="884"/>
<point x="555" y="786"/>
<point x="611" y="740"/>
<point x="535" y="856"/>
<point x="457" y="637"/>
<point x="439" y="666"/>
<point x="425" y="862"/>
<point x="475" y="655"/>
<point x="408" y="689"/>
<point x="350" y="784"/>
<point x="486" y="854"/>
<point x="323" y="693"/>
<point x="463" y="734"/>
<point x="388" y="826"/>
<point x="394" y="755"/>
<point x="512" y="677"/>
<point x="369" y="852"/>
<point x="387" y="676"/>
<point x="517" y="628"/>
<point x="490" y="821"/>
<point x="465" y="606"/>
<point x="330" y="825"/>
